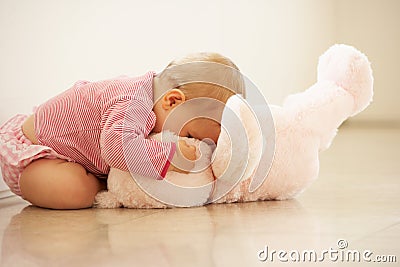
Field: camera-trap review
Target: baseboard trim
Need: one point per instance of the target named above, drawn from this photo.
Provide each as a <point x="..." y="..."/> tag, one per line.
<point x="353" y="123"/>
<point x="5" y="194"/>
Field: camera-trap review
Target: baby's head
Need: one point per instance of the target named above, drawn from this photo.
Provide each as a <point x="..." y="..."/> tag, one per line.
<point x="209" y="79"/>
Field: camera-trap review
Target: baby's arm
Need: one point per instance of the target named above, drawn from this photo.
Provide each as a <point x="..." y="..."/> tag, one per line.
<point x="184" y="151"/>
<point x="124" y="145"/>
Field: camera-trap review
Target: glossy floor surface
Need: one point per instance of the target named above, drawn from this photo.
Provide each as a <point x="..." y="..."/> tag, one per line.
<point x="353" y="208"/>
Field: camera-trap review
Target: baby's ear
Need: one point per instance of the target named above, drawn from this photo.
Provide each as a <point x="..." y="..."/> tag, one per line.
<point x="173" y="98"/>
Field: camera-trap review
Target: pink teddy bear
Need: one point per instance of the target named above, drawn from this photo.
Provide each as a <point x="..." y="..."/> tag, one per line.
<point x="305" y="124"/>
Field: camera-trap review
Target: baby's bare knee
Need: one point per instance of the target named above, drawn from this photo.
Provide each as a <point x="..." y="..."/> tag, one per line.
<point x="58" y="184"/>
<point x="84" y="189"/>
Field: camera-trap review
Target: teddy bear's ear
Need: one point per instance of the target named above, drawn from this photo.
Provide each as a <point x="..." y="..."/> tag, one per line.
<point x="260" y="146"/>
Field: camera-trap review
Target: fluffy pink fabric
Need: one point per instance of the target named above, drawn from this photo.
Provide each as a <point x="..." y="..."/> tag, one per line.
<point x="305" y="124"/>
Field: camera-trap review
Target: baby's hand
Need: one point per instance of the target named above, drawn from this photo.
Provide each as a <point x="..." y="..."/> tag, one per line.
<point x="184" y="158"/>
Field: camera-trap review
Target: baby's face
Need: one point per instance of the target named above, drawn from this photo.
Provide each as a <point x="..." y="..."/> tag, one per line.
<point x="201" y="128"/>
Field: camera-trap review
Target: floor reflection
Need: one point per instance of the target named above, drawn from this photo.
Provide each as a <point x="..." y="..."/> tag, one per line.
<point x="205" y="236"/>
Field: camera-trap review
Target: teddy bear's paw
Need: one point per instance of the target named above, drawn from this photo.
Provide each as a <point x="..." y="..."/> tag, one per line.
<point x="106" y="200"/>
<point x="350" y="69"/>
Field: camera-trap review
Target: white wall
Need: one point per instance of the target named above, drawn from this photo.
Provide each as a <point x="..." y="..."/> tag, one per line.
<point x="47" y="45"/>
<point x="374" y="27"/>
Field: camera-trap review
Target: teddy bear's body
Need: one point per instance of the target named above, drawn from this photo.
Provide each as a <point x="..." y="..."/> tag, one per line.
<point x="304" y="125"/>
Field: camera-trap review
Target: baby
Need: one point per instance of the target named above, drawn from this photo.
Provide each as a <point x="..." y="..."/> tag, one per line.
<point x="59" y="156"/>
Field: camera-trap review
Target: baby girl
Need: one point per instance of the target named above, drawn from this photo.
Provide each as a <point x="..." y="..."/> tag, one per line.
<point x="59" y="157"/>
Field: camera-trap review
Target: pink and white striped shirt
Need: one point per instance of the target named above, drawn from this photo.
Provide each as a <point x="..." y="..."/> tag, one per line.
<point x="105" y="124"/>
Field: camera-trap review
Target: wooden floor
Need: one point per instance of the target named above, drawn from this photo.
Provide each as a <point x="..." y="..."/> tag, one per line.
<point x="353" y="208"/>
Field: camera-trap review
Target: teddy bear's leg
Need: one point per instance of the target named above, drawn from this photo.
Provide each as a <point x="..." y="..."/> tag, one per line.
<point x="320" y="110"/>
<point x="344" y="88"/>
<point x="350" y="69"/>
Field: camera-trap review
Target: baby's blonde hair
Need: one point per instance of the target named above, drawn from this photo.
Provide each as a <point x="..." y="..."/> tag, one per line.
<point x="232" y="80"/>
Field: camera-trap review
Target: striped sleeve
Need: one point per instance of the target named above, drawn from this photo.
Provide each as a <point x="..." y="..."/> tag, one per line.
<point x="124" y="144"/>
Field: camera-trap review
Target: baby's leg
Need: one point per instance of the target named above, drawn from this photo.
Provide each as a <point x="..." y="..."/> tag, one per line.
<point x="59" y="184"/>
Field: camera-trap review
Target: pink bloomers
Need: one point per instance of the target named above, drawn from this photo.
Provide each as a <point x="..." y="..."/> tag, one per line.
<point x="17" y="151"/>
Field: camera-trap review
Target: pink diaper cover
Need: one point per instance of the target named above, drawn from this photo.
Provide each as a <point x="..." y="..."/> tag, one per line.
<point x="17" y="151"/>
